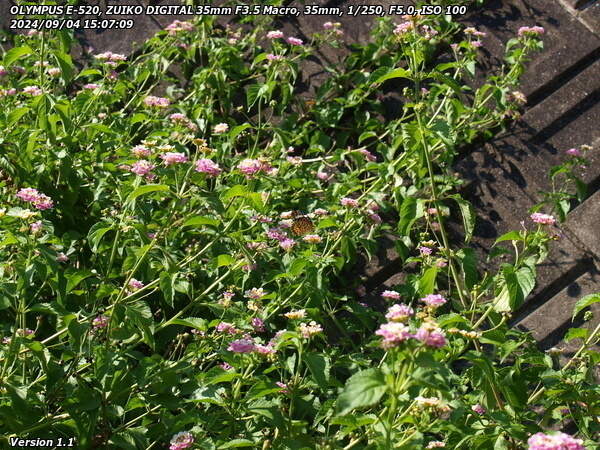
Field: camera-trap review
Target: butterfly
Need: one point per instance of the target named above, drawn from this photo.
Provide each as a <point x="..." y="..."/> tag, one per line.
<point x="301" y="224"/>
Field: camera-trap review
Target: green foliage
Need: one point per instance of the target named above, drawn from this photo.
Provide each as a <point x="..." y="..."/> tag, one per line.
<point x="189" y="263"/>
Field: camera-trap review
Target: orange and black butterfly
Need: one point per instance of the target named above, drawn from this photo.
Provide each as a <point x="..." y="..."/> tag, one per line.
<point x="302" y="224"/>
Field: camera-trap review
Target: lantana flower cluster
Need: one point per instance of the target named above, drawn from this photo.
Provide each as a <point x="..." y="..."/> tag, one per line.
<point x="39" y="200"/>
<point x="397" y="330"/>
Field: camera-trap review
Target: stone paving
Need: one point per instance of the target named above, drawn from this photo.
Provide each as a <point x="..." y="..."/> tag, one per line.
<point x="506" y="174"/>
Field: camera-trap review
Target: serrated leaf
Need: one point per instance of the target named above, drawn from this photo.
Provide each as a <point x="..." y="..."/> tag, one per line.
<point x="410" y="211"/>
<point x="166" y="283"/>
<point x="96" y="233"/>
<point x="510" y="236"/>
<point x="396" y="73"/>
<point x="427" y="281"/>
<point x="318" y="365"/>
<point x="192" y="322"/>
<point x="15" y="53"/>
<point x="200" y="220"/>
<point x="576" y="333"/>
<point x="364" y="388"/>
<point x="146" y="189"/>
<point x="237" y="443"/>
<point x="237" y="130"/>
<point x="468" y="216"/>
<point x="224" y="260"/>
<point x="15" y="115"/>
<point x="584" y="302"/>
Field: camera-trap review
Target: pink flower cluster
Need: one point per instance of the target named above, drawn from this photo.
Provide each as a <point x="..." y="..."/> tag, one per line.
<point x="250" y="167"/>
<point x="248" y="345"/>
<point x="276" y="34"/>
<point x="182" y="119"/>
<point x="399" y="313"/>
<point x="294" y="41"/>
<point x="308" y="330"/>
<point x="177" y="25"/>
<point x="258" y="324"/>
<point x="207" y="166"/>
<point x="171" y="158"/>
<point x="110" y="58"/>
<point x="558" y="441"/>
<point x="430" y="335"/>
<point x="334" y="27"/>
<point x="100" y="322"/>
<point x="403" y="28"/>
<point x="273" y="57"/>
<point x="479" y="409"/>
<point x="434" y="300"/>
<point x="473" y="32"/>
<point x="181" y="441"/>
<point x="220" y="128"/>
<point x="5" y="92"/>
<point x="34" y="91"/>
<point x="39" y="200"/>
<point x="255" y="293"/>
<point x="543" y="219"/>
<point x="158" y="102"/>
<point x="390" y="295"/>
<point x="349" y="202"/>
<point x="142" y="167"/>
<point x="141" y="151"/>
<point x="532" y="31"/>
<point x="395" y="332"/>
<point x="573" y="152"/>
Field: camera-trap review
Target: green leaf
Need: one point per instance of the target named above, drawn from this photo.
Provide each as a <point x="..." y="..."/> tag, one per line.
<point x="192" y="322"/>
<point x="468" y="216"/>
<point x="516" y="286"/>
<point x="200" y="220"/>
<point x="146" y="189"/>
<point x="252" y="94"/>
<point x="468" y="262"/>
<point x="15" y="53"/>
<point x="584" y="302"/>
<point x="237" y="130"/>
<point x="66" y="65"/>
<point x="96" y="232"/>
<point x="576" y="333"/>
<point x="448" y="81"/>
<point x="167" y="283"/>
<point x="268" y="409"/>
<point x="396" y="73"/>
<point x="364" y="388"/>
<point x="410" y="211"/>
<point x="15" y="115"/>
<point x="224" y="260"/>
<point x="297" y="266"/>
<point x="73" y="279"/>
<point x="510" y="236"/>
<point x="427" y="281"/>
<point x="319" y="368"/>
<point x="237" y="443"/>
<point x="238" y="190"/>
